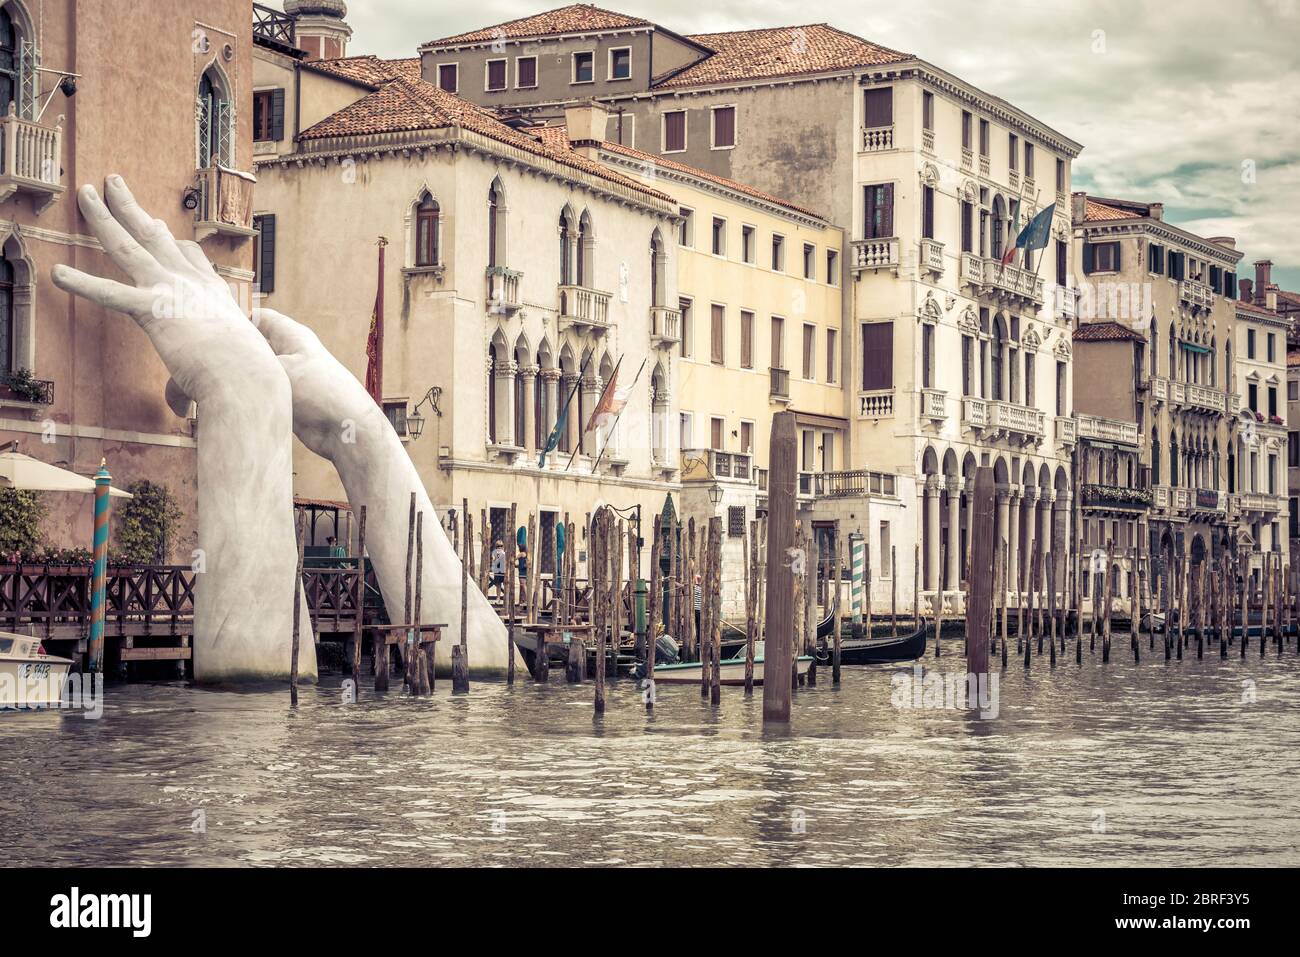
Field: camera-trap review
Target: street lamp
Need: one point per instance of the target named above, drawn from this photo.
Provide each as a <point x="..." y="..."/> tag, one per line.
<point x="414" y="420"/>
<point x="715" y="494"/>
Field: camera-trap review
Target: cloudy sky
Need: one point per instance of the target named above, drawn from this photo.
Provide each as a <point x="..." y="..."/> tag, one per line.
<point x="1193" y="103"/>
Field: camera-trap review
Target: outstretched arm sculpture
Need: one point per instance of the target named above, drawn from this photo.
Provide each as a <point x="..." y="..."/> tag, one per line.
<point x="243" y="595"/>
<point x="337" y="419"/>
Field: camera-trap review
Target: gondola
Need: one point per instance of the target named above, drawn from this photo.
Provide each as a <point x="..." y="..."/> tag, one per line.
<point x="872" y="651"/>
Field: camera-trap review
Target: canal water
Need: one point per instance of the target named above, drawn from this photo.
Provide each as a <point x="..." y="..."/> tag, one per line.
<point x="1178" y="763"/>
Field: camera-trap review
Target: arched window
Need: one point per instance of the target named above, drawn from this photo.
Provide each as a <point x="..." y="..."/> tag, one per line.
<point x="216" y="122"/>
<point x="1173" y="459"/>
<point x="9" y="59"/>
<point x="8" y="328"/>
<point x="426" y="231"/>
<point x="1173" y="353"/>
<point x="1155" y="457"/>
<point x="999" y="348"/>
<point x="566" y="248"/>
<point x="492" y="393"/>
<point x="1155" y="353"/>
<point x="586" y="250"/>
<point x="496" y="224"/>
<point x="657" y="293"/>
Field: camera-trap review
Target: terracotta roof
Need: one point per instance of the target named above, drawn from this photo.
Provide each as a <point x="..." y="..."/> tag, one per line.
<point x="779" y="51"/>
<point x="575" y="18"/>
<point x="368" y="70"/>
<point x="558" y="136"/>
<point x="403" y="105"/>
<point x="1095" y="212"/>
<point x="1106" y="332"/>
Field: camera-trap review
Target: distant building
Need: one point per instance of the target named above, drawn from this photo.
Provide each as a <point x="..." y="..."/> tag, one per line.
<point x="1260" y="375"/>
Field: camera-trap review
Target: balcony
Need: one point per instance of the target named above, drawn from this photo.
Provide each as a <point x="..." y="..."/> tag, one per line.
<point x="1115" y="497"/>
<point x="1013" y="177"/>
<point x="849" y="484"/>
<point x="1065" y="429"/>
<point x="31" y="160"/>
<point x="990" y="277"/>
<point x="1200" y="398"/>
<point x="984" y="165"/>
<point x="275" y="29"/>
<point x="875" y="139"/>
<point x="994" y="419"/>
<point x="876" y="405"/>
<point x="503" y="290"/>
<point x="705" y="465"/>
<point x="665" y="327"/>
<point x="1107" y="430"/>
<point x="583" y="309"/>
<point x="225" y="204"/>
<point x="934" y="404"/>
<point x="932" y="256"/>
<point x="1196" y="295"/>
<point x="875" y="254"/>
<point x="1067" y="303"/>
<point x="779" y="387"/>
<point x="22" y="393"/>
<point x="1258" y="503"/>
<point x="967" y="157"/>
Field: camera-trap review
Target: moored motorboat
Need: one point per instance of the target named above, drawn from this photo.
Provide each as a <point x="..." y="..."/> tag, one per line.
<point x="29" y="678"/>
<point x="731" y="671"/>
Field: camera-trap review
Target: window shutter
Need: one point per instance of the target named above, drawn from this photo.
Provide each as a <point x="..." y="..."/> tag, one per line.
<point x="870" y="213"/>
<point x="879" y="107"/>
<point x="277" y="115"/>
<point x="1088" y="258"/>
<point x="716" y="352"/>
<point x="266" y="267"/>
<point x="1117" y="256"/>
<point x="877" y="356"/>
<point x="887" y="211"/>
<point x="1230" y="285"/>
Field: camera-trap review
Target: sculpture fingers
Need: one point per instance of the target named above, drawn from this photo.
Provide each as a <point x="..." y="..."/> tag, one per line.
<point x="195" y="256"/>
<point x="285" y="335"/>
<point x="152" y="234"/>
<point x="132" y="258"/>
<point x="107" y="293"/>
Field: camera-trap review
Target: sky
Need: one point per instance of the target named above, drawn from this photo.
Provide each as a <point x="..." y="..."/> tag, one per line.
<point x="1195" y="104"/>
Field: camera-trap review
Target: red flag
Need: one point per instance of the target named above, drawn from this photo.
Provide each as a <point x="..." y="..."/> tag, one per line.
<point x="375" y="341"/>
<point x="611" y="403"/>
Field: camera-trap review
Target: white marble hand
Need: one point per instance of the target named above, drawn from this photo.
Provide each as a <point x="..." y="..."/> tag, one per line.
<point x="243" y="595"/>
<point x="337" y="419"/>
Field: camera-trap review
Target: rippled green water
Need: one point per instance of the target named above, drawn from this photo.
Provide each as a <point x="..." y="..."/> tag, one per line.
<point x="1158" y="763"/>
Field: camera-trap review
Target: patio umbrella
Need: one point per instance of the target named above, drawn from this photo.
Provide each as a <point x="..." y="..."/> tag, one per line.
<point x="24" y="472"/>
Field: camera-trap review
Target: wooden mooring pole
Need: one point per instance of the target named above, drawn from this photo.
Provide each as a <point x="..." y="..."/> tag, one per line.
<point x="782" y="479"/>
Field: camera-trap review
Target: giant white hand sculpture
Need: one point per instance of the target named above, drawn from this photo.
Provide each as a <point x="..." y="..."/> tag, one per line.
<point x="243" y="596"/>
<point x="337" y="419"/>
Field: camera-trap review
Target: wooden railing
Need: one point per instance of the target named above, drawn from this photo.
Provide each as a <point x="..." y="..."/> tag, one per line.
<point x="274" y="26"/>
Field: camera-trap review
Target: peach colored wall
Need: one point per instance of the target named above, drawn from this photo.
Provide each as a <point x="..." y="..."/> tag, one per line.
<point x="133" y="114"/>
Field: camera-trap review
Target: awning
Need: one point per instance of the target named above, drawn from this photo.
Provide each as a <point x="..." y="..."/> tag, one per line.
<point x="1190" y="347"/>
<point x="24" y="472"/>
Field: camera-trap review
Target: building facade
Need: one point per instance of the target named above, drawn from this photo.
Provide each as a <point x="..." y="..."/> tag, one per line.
<point x="79" y="384"/>
<point x="1259" y="486"/>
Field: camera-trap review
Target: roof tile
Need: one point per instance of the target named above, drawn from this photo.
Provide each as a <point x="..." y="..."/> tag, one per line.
<point x="1106" y="332"/>
<point x="575" y="18"/>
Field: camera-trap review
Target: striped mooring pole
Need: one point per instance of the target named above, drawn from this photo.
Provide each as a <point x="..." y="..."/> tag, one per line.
<point x="99" y="576"/>
<point x="857" y="575"/>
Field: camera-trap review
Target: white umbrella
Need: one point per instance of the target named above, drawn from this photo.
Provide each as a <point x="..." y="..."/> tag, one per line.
<point x="24" y="472"/>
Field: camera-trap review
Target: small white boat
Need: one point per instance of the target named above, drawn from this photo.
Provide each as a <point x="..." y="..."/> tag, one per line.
<point x="29" y="678"/>
<point x="731" y="671"/>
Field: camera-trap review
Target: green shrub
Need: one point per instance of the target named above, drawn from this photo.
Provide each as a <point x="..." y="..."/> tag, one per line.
<point x="145" y="525"/>
<point x="21" y="514"/>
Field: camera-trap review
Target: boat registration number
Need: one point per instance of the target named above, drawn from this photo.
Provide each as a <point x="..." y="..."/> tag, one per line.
<point x="33" y="671"/>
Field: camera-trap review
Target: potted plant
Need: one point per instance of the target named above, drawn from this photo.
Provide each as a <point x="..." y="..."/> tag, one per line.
<point x="21" y="384"/>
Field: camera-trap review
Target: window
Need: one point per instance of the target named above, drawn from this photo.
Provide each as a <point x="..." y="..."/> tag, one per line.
<point x="878" y="107"/>
<point x="449" y="77"/>
<point x="967" y="227"/>
<point x="1029" y="161"/>
<point x="1252" y="397"/>
<point x="9" y="362"/>
<point x="674" y="131"/>
<point x="832" y="267"/>
<point x="396" y="413"/>
<point x="11" y="82"/>
<point x="886" y="552"/>
<point x="268" y="116"/>
<point x="687" y="431"/>
<point x="778" y="342"/>
<point x="426" y="232"/>
<point x="620" y="63"/>
<point x="927" y="356"/>
<point x="927" y="212"/>
<point x="966" y="130"/>
<point x="719" y="236"/>
<point x="809" y="261"/>
<point x="1062" y="263"/>
<point x="927" y="110"/>
<point x="984" y="138"/>
<point x="1272" y="347"/>
<point x="879" y="211"/>
<point x="748" y="240"/>
<point x="686" y="229"/>
<point x="747" y="437"/>
<point x="1293" y="449"/>
<point x="778" y="253"/>
<point x="717" y="335"/>
<point x="1250" y="343"/>
<point x="1272" y="400"/>
<point x="216" y="122"/>
<point x="746" y="339"/>
<point x="263" y="255"/>
<point x="687" y="330"/>
<point x="1293" y="391"/>
<point x="1013" y="151"/>
<point x="724" y="127"/>
<point x="809" y="352"/>
<point x="877" y="356"/>
<point x="717" y="439"/>
<point x="495" y="75"/>
<point x="525" y="72"/>
<point x="496" y="224"/>
<point x="832" y="356"/>
<point x="1060" y="175"/>
<point x="546" y="540"/>
<point x="583" y="67"/>
<point x="1101" y="257"/>
<point x="1156" y="259"/>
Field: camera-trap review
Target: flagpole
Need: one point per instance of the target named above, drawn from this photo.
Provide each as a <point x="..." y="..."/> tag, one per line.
<point x="379" y="326"/>
<point x="1020" y="201"/>
<point x="636" y="379"/>
<point x="582" y="426"/>
<point x="564" y="409"/>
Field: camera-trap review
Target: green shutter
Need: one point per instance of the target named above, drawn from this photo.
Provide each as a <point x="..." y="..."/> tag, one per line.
<point x="277" y="115"/>
<point x="266" y="268"/>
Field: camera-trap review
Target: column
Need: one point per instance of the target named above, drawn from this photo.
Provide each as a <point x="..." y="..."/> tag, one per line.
<point x="1061" y="540"/>
<point x="551" y="404"/>
<point x="1045" y="536"/>
<point x="954" y="533"/>
<point x="528" y="375"/>
<point x="1013" y="539"/>
<point x="503" y="380"/>
<point x="1029" y="521"/>
<point x="590" y="396"/>
<point x="931" y="580"/>
<point x="569" y="380"/>
<point x="1003" y="535"/>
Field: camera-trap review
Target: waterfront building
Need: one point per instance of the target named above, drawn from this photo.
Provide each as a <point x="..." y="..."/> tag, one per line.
<point x="79" y="384"/>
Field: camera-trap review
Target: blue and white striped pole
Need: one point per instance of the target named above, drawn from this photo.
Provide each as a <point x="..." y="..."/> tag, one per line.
<point x="857" y="574"/>
<point x="99" y="575"/>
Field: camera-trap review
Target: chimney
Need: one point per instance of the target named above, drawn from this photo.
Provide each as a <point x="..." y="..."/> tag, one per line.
<point x="1245" y="291"/>
<point x="1078" y="206"/>
<point x="1156" y="210"/>
<point x="1270" y="296"/>
<point x="321" y="27"/>
<point x="586" y="123"/>
<point x="1263" y="275"/>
